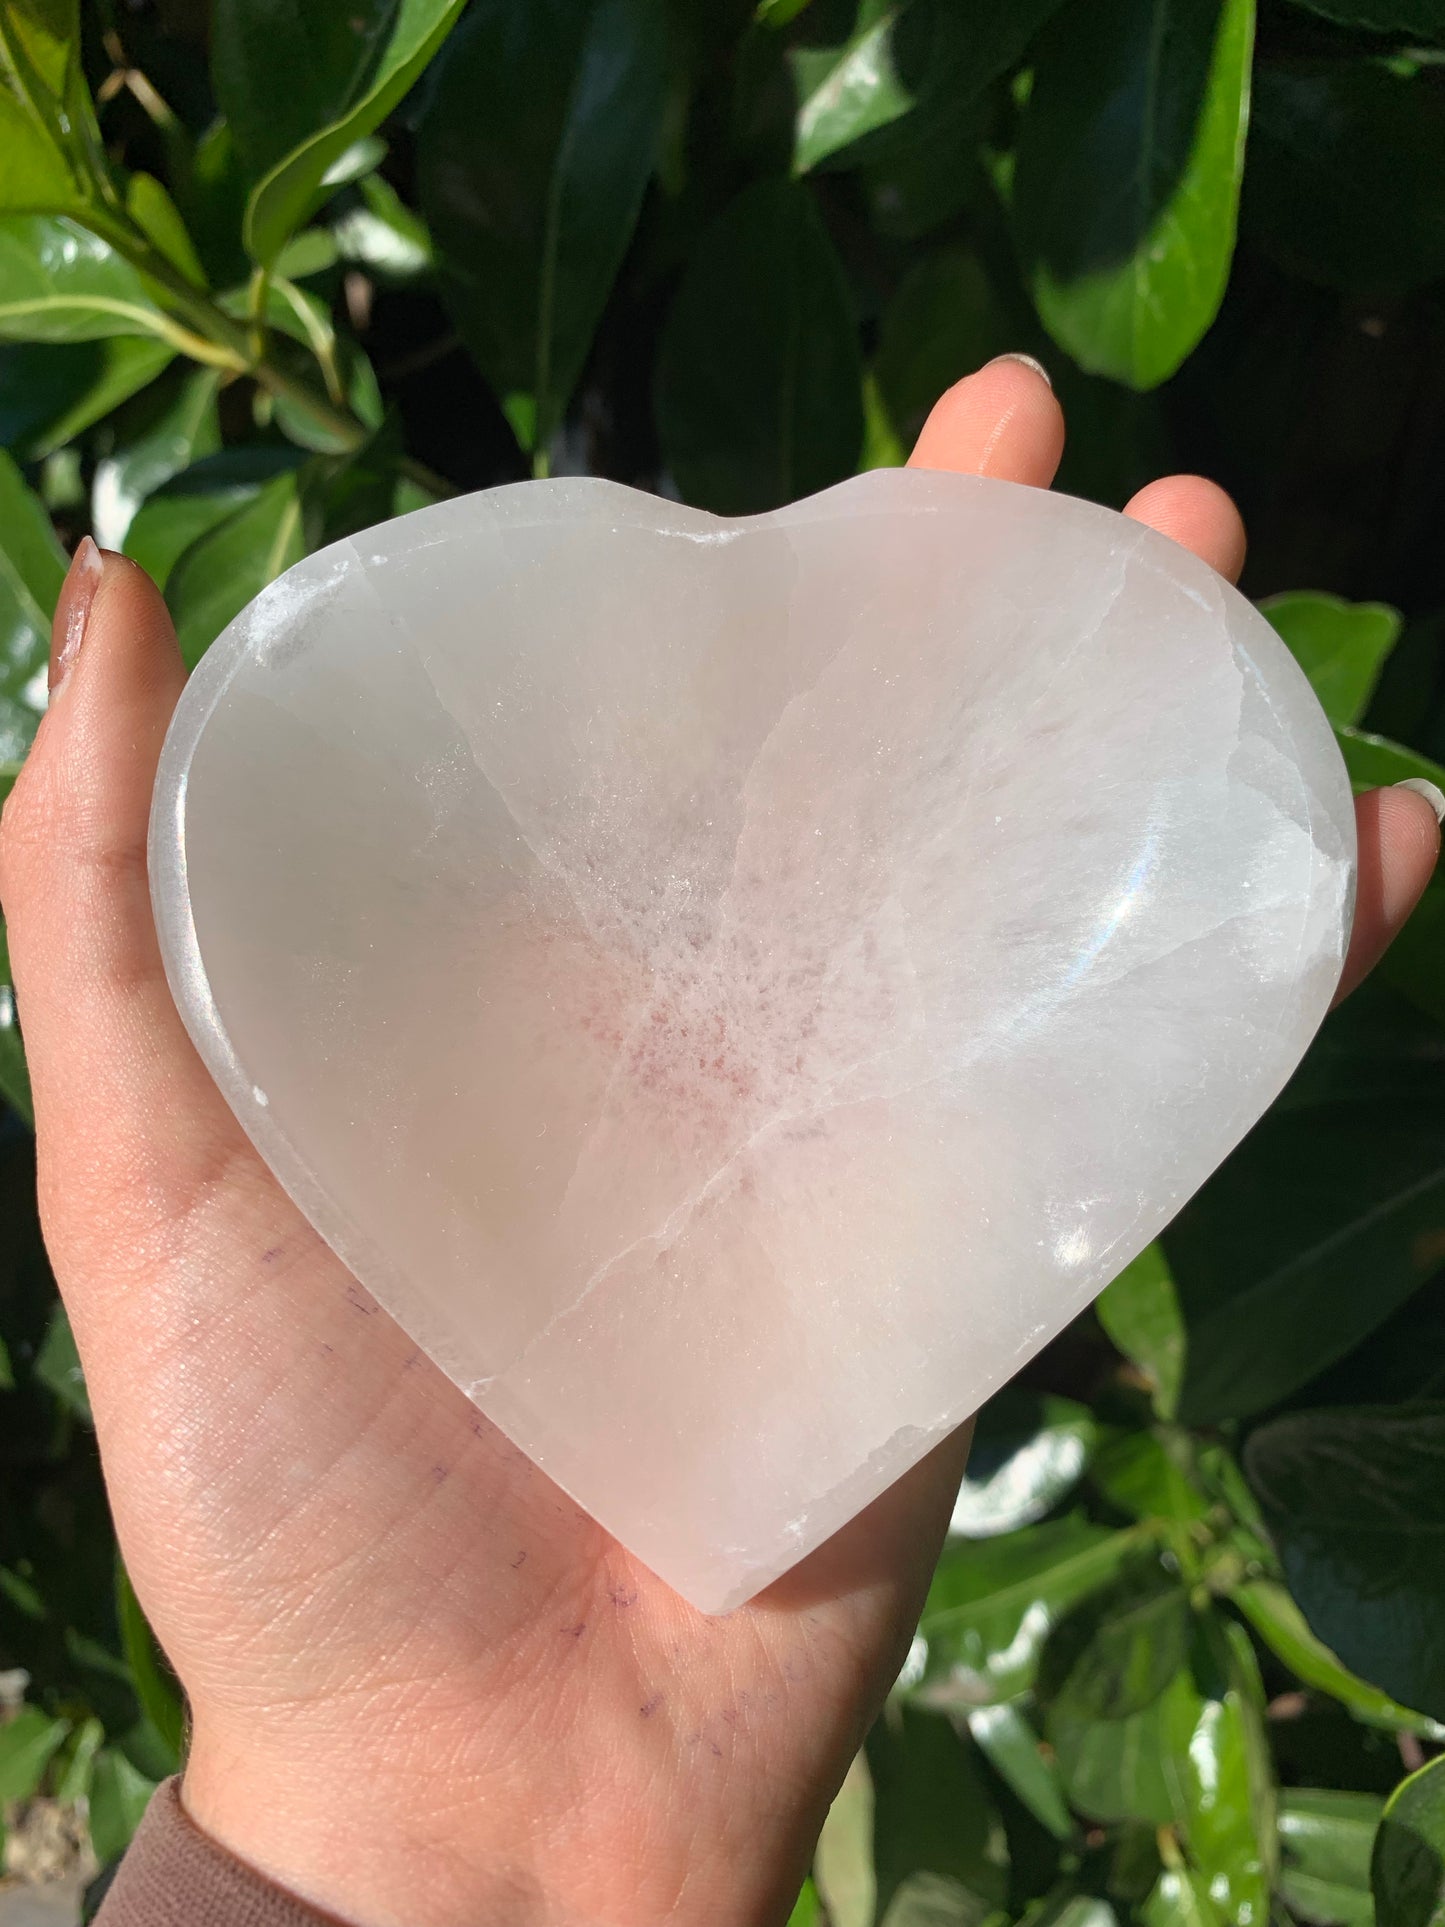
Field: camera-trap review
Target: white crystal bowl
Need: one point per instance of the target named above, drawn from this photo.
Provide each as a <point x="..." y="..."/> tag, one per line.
<point x="733" y="990"/>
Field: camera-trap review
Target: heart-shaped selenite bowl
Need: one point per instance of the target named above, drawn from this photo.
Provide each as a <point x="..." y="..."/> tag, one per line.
<point x="733" y="990"/>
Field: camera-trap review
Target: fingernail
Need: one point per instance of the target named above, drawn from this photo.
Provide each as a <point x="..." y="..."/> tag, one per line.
<point x="72" y="611"/>
<point x="1028" y="362"/>
<point x="1431" y="792"/>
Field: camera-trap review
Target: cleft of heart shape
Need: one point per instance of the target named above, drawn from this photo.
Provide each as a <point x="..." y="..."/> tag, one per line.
<point x="734" y="990"/>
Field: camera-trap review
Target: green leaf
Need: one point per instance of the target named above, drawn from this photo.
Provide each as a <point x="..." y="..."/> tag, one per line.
<point x="1180" y="1899"/>
<point x="993" y="1603"/>
<point x="1412" y="963"/>
<point x="1325" y="1838"/>
<point x="52" y="392"/>
<point x="155" y="1684"/>
<point x="943" y="322"/>
<point x="843" y="1863"/>
<point x="759" y="380"/>
<point x="1343" y="183"/>
<point x="85" y="1742"/>
<point x="59" y="282"/>
<point x="197" y="500"/>
<point x="57" y="1366"/>
<point x="181" y="427"/>
<point x="905" y="66"/>
<point x="1126" y="188"/>
<point x="1284" y="1629"/>
<point x="1341" y="646"/>
<point x="383" y="234"/>
<point x="1228" y="1780"/>
<point x="539" y="137"/>
<point x="1374" y="760"/>
<point x="1343" y="1181"/>
<point x="346" y="69"/>
<point x="1407" y="1870"/>
<point x="1127" y="1769"/>
<point x="224" y="568"/>
<point x="1014" y="1750"/>
<point x="14" y="1073"/>
<point x="1354" y="1500"/>
<point x="806" y="1912"/>
<point x="1423" y="17"/>
<point x="32" y="568"/>
<point x="1192" y="1758"/>
<point x="847" y="91"/>
<point x="1152" y="1476"/>
<point x="1116" y="1652"/>
<point x="119" y="1795"/>
<point x="1140" y="1312"/>
<point x="932" y="1817"/>
<point x="27" y="1743"/>
<point x="1028" y="1453"/>
<point x="50" y="155"/>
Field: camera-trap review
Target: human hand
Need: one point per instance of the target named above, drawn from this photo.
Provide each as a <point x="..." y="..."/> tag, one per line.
<point x="424" y="1687"/>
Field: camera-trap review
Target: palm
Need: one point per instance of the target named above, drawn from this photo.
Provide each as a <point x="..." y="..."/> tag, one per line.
<point x="387" y="1563"/>
<point x="423" y="1684"/>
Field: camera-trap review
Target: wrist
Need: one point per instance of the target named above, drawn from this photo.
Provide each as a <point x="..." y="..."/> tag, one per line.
<point x="353" y="1849"/>
<point x="434" y="1847"/>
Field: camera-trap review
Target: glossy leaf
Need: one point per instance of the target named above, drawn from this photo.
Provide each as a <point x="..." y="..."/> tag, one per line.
<point x="1284" y="1629"/>
<point x="1341" y="646"/>
<point x="1412" y="963"/>
<point x="1180" y="1899"/>
<point x="1325" y="1839"/>
<point x="27" y="1744"/>
<point x="155" y="1684"/>
<point x="119" y="1795"/>
<point x="50" y="393"/>
<point x="759" y="378"/>
<point x="1115" y="1653"/>
<point x="49" y="148"/>
<point x="383" y="234"/>
<point x="1343" y="182"/>
<point x="59" y="282"/>
<point x="1357" y="1508"/>
<point x="1152" y="1476"/>
<point x="1343" y="1181"/>
<point x="931" y="1816"/>
<point x="224" y="568"/>
<point x="993" y="1604"/>
<point x="1140" y="1312"/>
<point x="1229" y="1794"/>
<point x="197" y="500"/>
<point x="905" y="66"/>
<point x="183" y="426"/>
<point x="1407" y="1872"/>
<point x="32" y="568"/>
<point x="538" y="141"/>
<point x="346" y="69"/>
<point x="1127" y="1769"/>
<point x="1125" y="192"/>
<point x="1005" y="1737"/>
<point x="1028" y="1453"/>
<point x="847" y="91"/>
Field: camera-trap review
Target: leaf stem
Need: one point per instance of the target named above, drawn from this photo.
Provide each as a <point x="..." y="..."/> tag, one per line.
<point x="211" y="336"/>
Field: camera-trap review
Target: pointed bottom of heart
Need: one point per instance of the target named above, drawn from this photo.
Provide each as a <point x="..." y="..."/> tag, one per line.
<point x="733" y="991"/>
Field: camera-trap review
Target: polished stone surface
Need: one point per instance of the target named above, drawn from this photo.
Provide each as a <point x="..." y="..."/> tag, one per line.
<point x="734" y="990"/>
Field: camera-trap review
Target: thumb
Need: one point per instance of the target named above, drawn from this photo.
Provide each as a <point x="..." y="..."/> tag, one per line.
<point x="128" y="1122"/>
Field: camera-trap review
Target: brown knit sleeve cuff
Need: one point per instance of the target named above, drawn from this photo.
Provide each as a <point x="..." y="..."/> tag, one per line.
<point x="173" y="1875"/>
